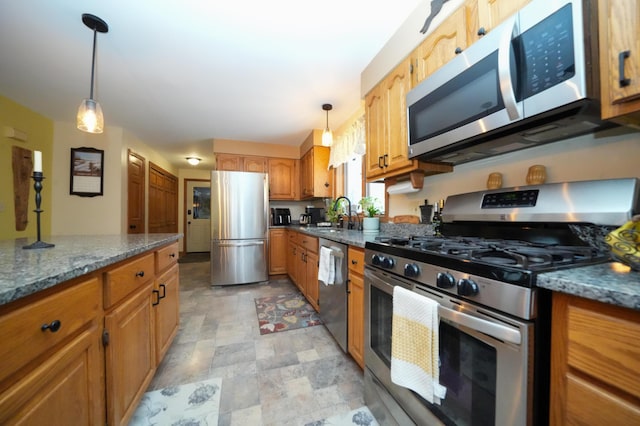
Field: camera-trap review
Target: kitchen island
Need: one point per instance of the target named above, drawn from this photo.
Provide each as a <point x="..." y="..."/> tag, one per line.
<point x="84" y="325"/>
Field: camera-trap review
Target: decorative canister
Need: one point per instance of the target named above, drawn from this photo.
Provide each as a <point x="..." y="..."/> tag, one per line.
<point x="537" y="175"/>
<point x="494" y="181"/>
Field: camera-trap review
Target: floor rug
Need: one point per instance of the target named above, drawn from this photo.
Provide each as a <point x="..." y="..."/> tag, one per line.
<point x="195" y="257"/>
<point x="191" y="404"/>
<point x="358" y="417"/>
<point x="285" y="312"/>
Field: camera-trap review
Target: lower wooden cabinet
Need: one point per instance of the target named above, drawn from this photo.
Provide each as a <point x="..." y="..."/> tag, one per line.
<point x="277" y="250"/>
<point x="57" y="375"/>
<point x="130" y="354"/>
<point x="312" y="288"/>
<point x="355" y="303"/>
<point x="595" y="367"/>
<point x="166" y="307"/>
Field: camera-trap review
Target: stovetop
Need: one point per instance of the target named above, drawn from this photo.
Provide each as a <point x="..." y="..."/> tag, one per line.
<point x="522" y="255"/>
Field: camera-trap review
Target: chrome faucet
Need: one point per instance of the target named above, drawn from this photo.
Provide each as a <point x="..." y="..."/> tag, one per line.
<point x="335" y="207"/>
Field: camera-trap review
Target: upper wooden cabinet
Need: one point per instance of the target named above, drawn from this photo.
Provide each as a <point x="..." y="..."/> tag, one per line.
<point x="255" y="164"/>
<point x="619" y="22"/>
<point x="490" y="14"/>
<point x="386" y="122"/>
<point x="229" y="162"/>
<point x="241" y="163"/>
<point x="283" y="178"/>
<point x="316" y="180"/>
<point x="441" y="45"/>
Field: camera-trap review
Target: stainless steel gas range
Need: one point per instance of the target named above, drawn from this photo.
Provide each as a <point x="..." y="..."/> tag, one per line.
<point x="494" y="323"/>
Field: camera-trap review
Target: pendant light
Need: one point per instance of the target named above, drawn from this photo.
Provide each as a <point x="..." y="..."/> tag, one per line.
<point x="90" y="118"/>
<point x="327" y="136"/>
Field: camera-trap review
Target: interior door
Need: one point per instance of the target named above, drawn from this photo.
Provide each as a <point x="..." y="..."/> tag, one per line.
<point x="198" y="214"/>
<point x="135" y="193"/>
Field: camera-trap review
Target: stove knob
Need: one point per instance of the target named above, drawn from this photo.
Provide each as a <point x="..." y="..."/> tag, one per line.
<point x="467" y="287"/>
<point x="411" y="270"/>
<point x="376" y="259"/>
<point x="388" y="263"/>
<point x="445" y="280"/>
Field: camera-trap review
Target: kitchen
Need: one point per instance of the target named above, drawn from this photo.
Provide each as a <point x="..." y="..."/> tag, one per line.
<point x="586" y="157"/>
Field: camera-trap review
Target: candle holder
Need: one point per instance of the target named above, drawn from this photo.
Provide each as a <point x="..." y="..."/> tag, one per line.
<point x="37" y="185"/>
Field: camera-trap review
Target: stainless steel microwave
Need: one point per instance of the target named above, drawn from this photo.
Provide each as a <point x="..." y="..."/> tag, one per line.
<point x="533" y="79"/>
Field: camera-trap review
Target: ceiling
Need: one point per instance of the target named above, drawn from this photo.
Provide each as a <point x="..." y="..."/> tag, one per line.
<point x="177" y="74"/>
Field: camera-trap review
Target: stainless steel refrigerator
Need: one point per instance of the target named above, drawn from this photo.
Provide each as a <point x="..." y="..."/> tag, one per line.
<point x="239" y="227"/>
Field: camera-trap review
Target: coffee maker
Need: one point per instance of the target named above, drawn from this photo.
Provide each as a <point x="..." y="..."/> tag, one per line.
<point x="316" y="214"/>
<point x="280" y="217"/>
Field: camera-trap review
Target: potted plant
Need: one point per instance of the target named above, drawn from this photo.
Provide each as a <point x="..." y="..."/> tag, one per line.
<point x="334" y="212"/>
<point x="370" y="210"/>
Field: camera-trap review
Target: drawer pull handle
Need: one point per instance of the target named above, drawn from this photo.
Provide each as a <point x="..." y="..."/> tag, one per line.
<point x="157" y="302"/>
<point x="354" y="262"/>
<point x="164" y="291"/>
<point x="172" y="255"/>
<point x="53" y="327"/>
<point x="140" y="274"/>
<point x="624" y="81"/>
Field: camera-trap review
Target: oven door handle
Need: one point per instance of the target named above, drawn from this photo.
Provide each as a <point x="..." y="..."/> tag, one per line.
<point x="492" y="329"/>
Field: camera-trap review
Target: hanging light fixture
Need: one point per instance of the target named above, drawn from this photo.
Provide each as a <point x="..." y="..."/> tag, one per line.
<point x="194" y="161"/>
<point x="90" y="117"/>
<point x="327" y="136"/>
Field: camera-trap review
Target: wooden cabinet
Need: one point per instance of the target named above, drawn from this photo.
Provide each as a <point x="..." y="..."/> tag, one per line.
<point x="619" y="23"/>
<point x="292" y="256"/>
<point x="355" y="321"/>
<point x="255" y="164"/>
<point x="312" y="287"/>
<point x="277" y="251"/>
<point x="440" y="46"/>
<point x="302" y="265"/>
<point x="283" y="179"/>
<point x="386" y="122"/>
<point x="229" y="162"/>
<point x="54" y="374"/>
<point x="166" y="304"/>
<point x="490" y="14"/>
<point x="316" y="180"/>
<point x="595" y="367"/>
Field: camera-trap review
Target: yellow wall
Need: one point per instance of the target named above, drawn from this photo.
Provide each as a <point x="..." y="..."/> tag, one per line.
<point x="39" y="130"/>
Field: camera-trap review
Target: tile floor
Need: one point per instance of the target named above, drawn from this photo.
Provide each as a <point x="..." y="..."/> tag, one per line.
<point x="286" y="378"/>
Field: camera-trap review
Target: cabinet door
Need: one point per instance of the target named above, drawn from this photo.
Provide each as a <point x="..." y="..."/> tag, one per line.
<point x="229" y="162"/>
<point x="306" y="174"/>
<point x="491" y="13"/>
<point x="255" y="164"/>
<point x="277" y="251"/>
<point x="619" y="22"/>
<point x="282" y="179"/>
<point x="67" y="388"/>
<point x="301" y="270"/>
<point x="356" y="318"/>
<point x="375" y="113"/>
<point x="130" y="355"/>
<point x="440" y="46"/>
<point x="396" y="85"/>
<point x="167" y="310"/>
<point x="292" y="261"/>
<point x="313" y="291"/>
<point x="321" y="176"/>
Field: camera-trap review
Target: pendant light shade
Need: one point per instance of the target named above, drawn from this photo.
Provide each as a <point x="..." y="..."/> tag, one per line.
<point x="90" y="118"/>
<point x="327" y="135"/>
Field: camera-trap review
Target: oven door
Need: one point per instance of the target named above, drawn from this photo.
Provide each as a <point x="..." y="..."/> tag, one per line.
<point x="485" y="359"/>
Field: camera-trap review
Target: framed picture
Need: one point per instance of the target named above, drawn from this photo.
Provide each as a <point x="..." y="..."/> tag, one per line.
<point x="87" y="166"/>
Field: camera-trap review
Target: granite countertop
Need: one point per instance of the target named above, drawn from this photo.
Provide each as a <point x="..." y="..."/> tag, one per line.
<point x="612" y="283"/>
<point x="24" y="272"/>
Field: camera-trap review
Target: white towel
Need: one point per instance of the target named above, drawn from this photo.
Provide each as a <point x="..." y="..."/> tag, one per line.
<point x="326" y="270"/>
<point x="414" y="344"/>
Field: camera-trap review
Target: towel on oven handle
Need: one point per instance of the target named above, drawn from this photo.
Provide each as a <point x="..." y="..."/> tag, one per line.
<point x="414" y="345"/>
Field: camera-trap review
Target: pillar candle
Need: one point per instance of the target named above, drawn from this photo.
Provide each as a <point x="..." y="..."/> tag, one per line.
<point x="37" y="161"/>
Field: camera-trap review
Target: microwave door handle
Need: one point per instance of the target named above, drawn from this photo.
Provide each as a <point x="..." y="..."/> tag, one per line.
<point x="504" y="68"/>
<point x="491" y="328"/>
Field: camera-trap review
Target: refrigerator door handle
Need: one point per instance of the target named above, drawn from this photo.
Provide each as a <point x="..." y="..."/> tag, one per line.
<point x="254" y="243"/>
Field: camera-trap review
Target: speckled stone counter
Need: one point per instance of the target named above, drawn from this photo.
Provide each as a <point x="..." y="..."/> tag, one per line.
<point x="24" y="272"/>
<point x="612" y="283"/>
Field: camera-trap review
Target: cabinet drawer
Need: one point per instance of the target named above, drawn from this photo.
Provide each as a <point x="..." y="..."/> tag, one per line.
<point x="21" y="334"/>
<point x="128" y="277"/>
<point x="615" y="333"/>
<point x="356" y="260"/>
<point x="166" y="257"/>
<point x="308" y="242"/>
<point x="292" y="236"/>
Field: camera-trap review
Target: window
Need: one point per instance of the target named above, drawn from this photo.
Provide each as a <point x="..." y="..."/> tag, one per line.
<point x="354" y="179"/>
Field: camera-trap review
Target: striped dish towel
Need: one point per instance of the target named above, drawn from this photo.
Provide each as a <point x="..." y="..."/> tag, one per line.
<point x="414" y="345"/>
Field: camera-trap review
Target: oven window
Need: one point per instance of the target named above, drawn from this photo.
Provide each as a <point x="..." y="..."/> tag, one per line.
<point x="468" y="370"/>
<point x="380" y="327"/>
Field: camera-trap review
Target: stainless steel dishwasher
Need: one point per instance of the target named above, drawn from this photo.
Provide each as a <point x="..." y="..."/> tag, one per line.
<point x="333" y="297"/>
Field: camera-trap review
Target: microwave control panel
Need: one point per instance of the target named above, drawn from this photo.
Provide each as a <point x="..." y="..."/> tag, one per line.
<point x="526" y="198"/>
